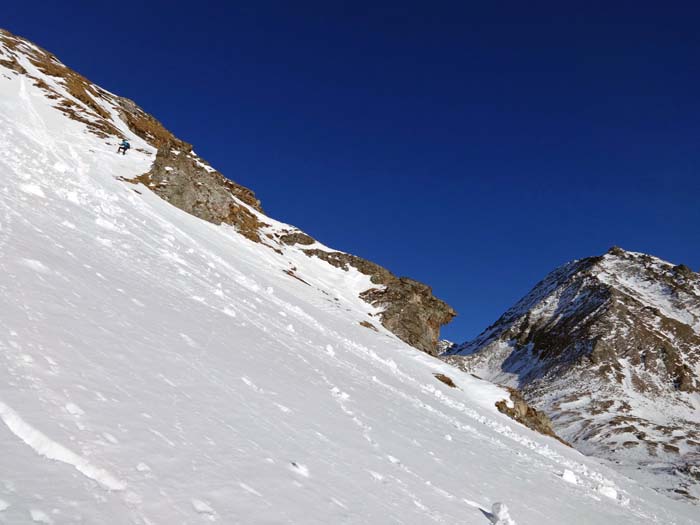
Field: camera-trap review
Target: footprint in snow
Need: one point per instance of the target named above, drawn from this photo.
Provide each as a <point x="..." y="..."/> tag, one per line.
<point x="299" y="469"/>
<point x="189" y="341"/>
<point x="74" y="410"/>
<point x="569" y="477"/>
<point x="229" y="312"/>
<point x="132" y="499"/>
<point x="106" y="224"/>
<point x="339" y="503"/>
<point x="250" y="489"/>
<point x="35" y="265"/>
<point x="612" y="493"/>
<point x="252" y="385"/>
<point x="202" y="507"/>
<point x="109" y="437"/>
<point x="60" y="167"/>
<point x="339" y="394"/>
<point x="376" y="475"/>
<point x="39" y="516"/>
<point x="32" y="189"/>
<point x="166" y="381"/>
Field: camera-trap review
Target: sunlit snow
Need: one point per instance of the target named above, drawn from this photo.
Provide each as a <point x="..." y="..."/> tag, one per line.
<point x="158" y="369"/>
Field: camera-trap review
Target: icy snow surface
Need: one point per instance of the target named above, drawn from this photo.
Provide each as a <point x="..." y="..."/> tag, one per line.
<point x="158" y="369"/>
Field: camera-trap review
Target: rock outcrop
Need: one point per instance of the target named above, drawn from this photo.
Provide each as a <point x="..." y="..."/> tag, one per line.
<point x="409" y="308"/>
<point x="187" y="182"/>
<point x="524" y="414"/>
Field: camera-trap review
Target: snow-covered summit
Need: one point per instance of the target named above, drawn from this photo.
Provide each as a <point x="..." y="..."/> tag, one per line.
<point x="609" y="348"/>
<point x="161" y="368"/>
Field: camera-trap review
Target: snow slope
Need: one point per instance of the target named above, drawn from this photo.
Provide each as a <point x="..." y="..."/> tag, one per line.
<point x="158" y="369"/>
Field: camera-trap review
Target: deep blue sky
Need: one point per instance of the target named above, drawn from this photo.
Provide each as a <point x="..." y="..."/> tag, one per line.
<point x="472" y="145"/>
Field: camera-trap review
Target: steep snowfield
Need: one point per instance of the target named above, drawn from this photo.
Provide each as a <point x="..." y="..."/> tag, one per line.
<point x="158" y="369"/>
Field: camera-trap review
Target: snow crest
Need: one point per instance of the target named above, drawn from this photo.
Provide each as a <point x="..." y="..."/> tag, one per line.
<point x="44" y="446"/>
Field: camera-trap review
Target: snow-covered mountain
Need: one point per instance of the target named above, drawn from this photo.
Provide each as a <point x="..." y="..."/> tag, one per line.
<point x="179" y="176"/>
<point x="170" y="354"/>
<point x="609" y="348"/>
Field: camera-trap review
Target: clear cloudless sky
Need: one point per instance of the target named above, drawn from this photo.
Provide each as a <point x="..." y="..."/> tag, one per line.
<point x="474" y="146"/>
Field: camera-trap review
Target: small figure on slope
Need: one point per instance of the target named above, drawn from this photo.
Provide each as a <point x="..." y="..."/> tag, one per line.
<point x="123" y="147"/>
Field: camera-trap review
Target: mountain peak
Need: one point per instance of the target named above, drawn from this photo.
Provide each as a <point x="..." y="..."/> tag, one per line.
<point x="604" y="340"/>
<point x="616" y="250"/>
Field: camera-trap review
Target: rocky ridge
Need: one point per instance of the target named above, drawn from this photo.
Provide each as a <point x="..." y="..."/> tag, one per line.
<point x="609" y="348"/>
<point x="408" y="307"/>
<point x="179" y="176"/>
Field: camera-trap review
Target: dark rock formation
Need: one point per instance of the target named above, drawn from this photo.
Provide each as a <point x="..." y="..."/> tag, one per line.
<point x="528" y="416"/>
<point x="410" y="309"/>
<point x="445" y="379"/>
<point x="186" y="182"/>
<point x="369" y="325"/>
<point x="297" y="237"/>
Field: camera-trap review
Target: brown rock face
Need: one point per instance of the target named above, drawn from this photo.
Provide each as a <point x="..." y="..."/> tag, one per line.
<point x="411" y="312"/>
<point x="410" y="309"/>
<point x="290" y="239"/>
<point x="191" y="185"/>
<point x="445" y="379"/>
<point x="528" y="416"/>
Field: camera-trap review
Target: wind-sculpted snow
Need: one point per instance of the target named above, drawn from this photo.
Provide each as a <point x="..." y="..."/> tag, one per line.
<point x="160" y="369"/>
<point x="48" y="448"/>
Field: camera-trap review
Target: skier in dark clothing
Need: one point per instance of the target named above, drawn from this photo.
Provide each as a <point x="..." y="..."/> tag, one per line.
<point x="123" y="147"/>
